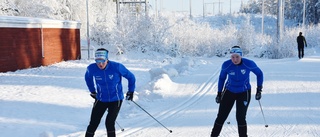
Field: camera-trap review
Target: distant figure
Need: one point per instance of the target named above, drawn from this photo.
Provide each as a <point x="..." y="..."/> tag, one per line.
<point x="301" y="43"/>
<point x="234" y="87"/>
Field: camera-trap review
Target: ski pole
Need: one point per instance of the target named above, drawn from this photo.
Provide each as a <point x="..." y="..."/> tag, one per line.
<point x="122" y="129"/>
<point x="152" y="116"/>
<point x="266" y="125"/>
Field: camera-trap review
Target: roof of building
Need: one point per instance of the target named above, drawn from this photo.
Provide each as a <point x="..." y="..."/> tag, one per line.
<point x="29" y="22"/>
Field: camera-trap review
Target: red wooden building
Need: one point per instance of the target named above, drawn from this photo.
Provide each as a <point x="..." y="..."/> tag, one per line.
<point x="33" y="42"/>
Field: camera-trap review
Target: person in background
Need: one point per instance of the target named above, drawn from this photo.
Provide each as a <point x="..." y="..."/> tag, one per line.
<point x="301" y="43"/>
<point x="237" y="89"/>
<point x="107" y="91"/>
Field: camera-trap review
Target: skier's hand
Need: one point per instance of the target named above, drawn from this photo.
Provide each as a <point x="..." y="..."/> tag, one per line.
<point x="218" y="98"/>
<point x="258" y="94"/>
<point x="129" y="95"/>
<point x="93" y="95"/>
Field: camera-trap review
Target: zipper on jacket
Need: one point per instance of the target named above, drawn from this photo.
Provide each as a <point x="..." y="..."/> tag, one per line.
<point x="105" y="80"/>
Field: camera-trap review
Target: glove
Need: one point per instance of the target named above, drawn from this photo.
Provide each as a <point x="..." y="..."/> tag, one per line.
<point x="258" y="94"/>
<point x="129" y="95"/>
<point x="218" y="98"/>
<point x="93" y="95"/>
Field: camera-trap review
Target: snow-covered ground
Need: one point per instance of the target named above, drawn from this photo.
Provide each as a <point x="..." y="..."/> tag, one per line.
<point x="180" y="93"/>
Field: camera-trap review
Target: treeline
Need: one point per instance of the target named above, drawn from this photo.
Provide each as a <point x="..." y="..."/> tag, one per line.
<point x="293" y="9"/>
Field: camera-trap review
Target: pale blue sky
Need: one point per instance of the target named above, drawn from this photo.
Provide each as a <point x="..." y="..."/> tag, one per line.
<point x="197" y="5"/>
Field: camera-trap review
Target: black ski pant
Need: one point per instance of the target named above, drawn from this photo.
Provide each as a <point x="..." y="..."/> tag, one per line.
<point x="242" y="102"/>
<point x="300" y="52"/>
<point x="98" y="110"/>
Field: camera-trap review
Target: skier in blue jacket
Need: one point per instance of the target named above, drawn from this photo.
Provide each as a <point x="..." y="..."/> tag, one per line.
<point x="237" y="89"/>
<point x="103" y="79"/>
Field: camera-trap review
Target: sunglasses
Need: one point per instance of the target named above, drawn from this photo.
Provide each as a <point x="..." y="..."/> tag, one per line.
<point x="100" y="60"/>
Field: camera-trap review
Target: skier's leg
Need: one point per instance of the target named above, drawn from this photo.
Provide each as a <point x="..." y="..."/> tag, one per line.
<point x="216" y="130"/>
<point x="96" y="114"/>
<point x="242" y="130"/>
<point x="225" y="107"/>
<point x="89" y="134"/>
<point x="242" y="104"/>
<point x="299" y="52"/>
<point x="113" y="110"/>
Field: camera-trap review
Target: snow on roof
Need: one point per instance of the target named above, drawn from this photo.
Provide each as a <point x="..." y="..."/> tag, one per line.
<point x="28" y="22"/>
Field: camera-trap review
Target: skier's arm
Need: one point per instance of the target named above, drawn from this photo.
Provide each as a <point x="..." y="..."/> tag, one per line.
<point x="257" y="71"/>
<point x="129" y="76"/>
<point x="304" y="40"/>
<point x="222" y="77"/>
<point x="89" y="81"/>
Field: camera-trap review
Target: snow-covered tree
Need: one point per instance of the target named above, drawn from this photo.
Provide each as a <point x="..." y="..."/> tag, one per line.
<point x="171" y="33"/>
<point x="8" y="8"/>
<point x="293" y="9"/>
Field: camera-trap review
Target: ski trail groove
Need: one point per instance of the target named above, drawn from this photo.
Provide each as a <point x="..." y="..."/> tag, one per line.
<point x="203" y="89"/>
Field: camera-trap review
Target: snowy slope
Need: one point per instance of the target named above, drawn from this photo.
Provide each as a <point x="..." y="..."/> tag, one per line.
<point x="54" y="101"/>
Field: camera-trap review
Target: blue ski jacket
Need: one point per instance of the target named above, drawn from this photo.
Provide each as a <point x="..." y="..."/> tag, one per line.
<point x="108" y="81"/>
<point x="238" y="76"/>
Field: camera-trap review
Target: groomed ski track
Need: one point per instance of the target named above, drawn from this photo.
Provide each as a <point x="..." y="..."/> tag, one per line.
<point x="290" y="111"/>
<point x="205" y="88"/>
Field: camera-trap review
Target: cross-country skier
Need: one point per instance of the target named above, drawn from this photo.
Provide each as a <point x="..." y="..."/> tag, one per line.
<point x="237" y="89"/>
<point x="107" y="91"/>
